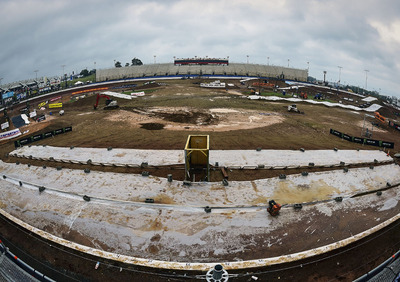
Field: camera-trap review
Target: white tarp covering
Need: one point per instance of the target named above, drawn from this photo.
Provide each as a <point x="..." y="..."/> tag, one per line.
<point x="118" y="95"/>
<point x="369" y="99"/>
<point x="372" y="108"/>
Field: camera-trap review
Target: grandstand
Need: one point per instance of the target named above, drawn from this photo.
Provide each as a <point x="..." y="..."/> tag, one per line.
<point x="233" y="70"/>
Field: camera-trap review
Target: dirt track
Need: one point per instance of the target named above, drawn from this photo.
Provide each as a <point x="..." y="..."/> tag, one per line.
<point x="246" y="125"/>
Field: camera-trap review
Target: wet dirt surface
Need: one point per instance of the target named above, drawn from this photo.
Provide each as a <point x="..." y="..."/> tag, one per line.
<point x="344" y="266"/>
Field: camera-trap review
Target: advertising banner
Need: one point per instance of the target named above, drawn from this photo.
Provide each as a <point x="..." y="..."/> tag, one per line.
<point x="365" y="141"/>
<point x="10" y="134"/>
<point x="55" y="105"/>
<point x="42" y="104"/>
<point x="55" y="99"/>
<point x="5" y="125"/>
<point x="358" y="140"/>
<point x="389" y="145"/>
<point x="21" y="96"/>
<point x="372" y="142"/>
<point x="347" y="137"/>
<point x="8" y="95"/>
<point x="48" y="134"/>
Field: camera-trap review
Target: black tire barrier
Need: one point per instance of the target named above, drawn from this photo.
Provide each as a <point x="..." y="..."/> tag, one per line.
<point x="260" y="166"/>
<point x="339" y="199"/>
<point x="282" y="176"/>
<point x="342" y="163"/>
<point x="17" y="163"/>
<point x="388" y="184"/>
<point x="298" y="206"/>
<point x="169" y="177"/>
<point x="311" y="164"/>
<point x="89" y="161"/>
<point x="86" y="198"/>
<point x="59" y="168"/>
<point x="86" y="170"/>
<point x="207" y="209"/>
<point x="29" y="165"/>
<point x="187" y="183"/>
<point x="379" y="193"/>
<point x="144" y="164"/>
<point x="302" y="150"/>
<point x="4" y="177"/>
<point x="335" y="149"/>
<point x="304" y="173"/>
<point x="345" y="169"/>
<point x="51" y="159"/>
<point x="149" y="201"/>
<point x="20" y="183"/>
<point x="145" y="173"/>
<point x="258" y="149"/>
<point x="371" y="167"/>
<point x="225" y="182"/>
<point x="109" y="148"/>
<point x="375" y="161"/>
<point x="71" y="147"/>
<point x="41" y="189"/>
<point x="44" y="166"/>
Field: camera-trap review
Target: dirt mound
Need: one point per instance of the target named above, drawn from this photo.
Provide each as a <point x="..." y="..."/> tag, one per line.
<point x="152" y="126"/>
<point x="188" y="117"/>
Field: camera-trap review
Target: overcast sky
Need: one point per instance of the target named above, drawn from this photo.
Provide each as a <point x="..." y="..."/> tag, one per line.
<point x="356" y="35"/>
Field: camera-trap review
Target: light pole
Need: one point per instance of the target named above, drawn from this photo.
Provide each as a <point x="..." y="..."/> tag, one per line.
<point x="366" y="78"/>
<point x="247" y="58"/>
<point x="62" y="75"/>
<point x="36" y="71"/>
<point x="324" y="76"/>
<point x="268" y="61"/>
<point x="288" y="60"/>
<point x="154" y="59"/>
<point x="1" y="80"/>
<point x="340" y="70"/>
<point x="308" y="66"/>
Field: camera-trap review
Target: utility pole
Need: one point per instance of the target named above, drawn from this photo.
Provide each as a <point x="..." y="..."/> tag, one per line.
<point x="340" y="70"/>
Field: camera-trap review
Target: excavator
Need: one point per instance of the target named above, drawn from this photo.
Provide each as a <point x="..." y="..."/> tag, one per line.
<point x="110" y="104"/>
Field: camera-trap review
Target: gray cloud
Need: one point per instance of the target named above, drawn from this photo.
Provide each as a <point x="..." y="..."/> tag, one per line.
<point x="357" y="35"/>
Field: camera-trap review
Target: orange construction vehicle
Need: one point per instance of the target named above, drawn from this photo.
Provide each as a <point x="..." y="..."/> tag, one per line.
<point x="379" y="117"/>
<point x="273" y="208"/>
<point x="110" y="104"/>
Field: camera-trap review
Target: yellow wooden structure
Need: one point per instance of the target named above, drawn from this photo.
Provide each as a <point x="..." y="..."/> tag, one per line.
<point x="197" y="158"/>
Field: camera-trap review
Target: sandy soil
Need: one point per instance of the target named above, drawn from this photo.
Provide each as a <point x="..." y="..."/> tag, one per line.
<point x="222" y="119"/>
<point x="370" y="127"/>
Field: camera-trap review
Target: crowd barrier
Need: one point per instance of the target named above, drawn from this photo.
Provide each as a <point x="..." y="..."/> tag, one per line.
<point x="37" y="137"/>
<point x="365" y="141"/>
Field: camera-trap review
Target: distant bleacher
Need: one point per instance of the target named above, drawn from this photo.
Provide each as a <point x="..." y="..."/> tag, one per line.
<point x="233" y="69"/>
